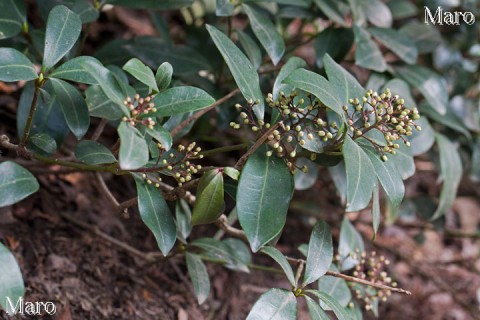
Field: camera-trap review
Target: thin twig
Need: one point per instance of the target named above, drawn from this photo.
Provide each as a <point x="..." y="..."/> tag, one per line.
<point x="99" y="130"/>
<point x="103" y="188"/>
<point x="366" y="282"/>
<point x="222" y="223"/>
<point x="298" y="274"/>
<point x="31" y="114"/>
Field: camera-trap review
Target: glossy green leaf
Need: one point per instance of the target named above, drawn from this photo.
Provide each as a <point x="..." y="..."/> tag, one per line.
<point x="42" y="143"/>
<point x="156" y="214"/>
<point x="86" y="11"/>
<point x="378" y="13"/>
<point x="335" y="287"/>
<point x="320" y="253"/>
<point x="92" y="152"/>
<point x="63" y="29"/>
<point x="402" y="9"/>
<point x="251" y="48"/>
<point x="12" y="17"/>
<point x="376" y="214"/>
<point x="264" y="192"/>
<point x="426" y="37"/>
<point x="224" y="8"/>
<point x="316" y="313"/>
<point x="209" y="204"/>
<point x="337" y="42"/>
<point x="399" y="43"/>
<point x="276" y="255"/>
<point x="15" y="66"/>
<point x="331" y="10"/>
<point x="345" y="83"/>
<point x="400" y="87"/>
<point x="266" y="33"/>
<point x="422" y="141"/>
<point x="278" y="304"/>
<point x="350" y="242"/>
<point x="179" y="100"/>
<point x="367" y="53"/>
<point x="332" y="303"/>
<point x="163" y="77"/>
<point x="240" y="250"/>
<point x="292" y="64"/>
<point x="133" y="148"/>
<point x="318" y="86"/>
<point x="361" y="177"/>
<point x="219" y="250"/>
<point x="99" y="105"/>
<point x="431" y="85"/>
<point x="141" y="72"/>
<point x="242" y="70"/>
<point x="161" y="135"/>
<point x="73" y="70"/>
<point x="73" y="106"/>
<point x="305" y="180"/>
<point x="152" y="4"/>
<point x="449" y="119"/>
<point x="232" y="172"/>
<point x="199" y="275"/>
<point x="16" y="183"/>
<point x="183" y="216"/>
<point x="451" y="172"/>
<point x="403" y="160"/>
<point x="12" y="288"/>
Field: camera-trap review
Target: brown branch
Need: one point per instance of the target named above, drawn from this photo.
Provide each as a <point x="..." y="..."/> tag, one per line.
<point x="366" y="282"/>
<point x="222" y="223"/>
<point x="99" y="130"/>
<point x="103" y="188"/>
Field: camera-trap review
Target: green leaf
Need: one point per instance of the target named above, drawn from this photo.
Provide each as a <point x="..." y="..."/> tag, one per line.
<point x="16" y="183"/>
<point x="320" y="253"/>
<point x="180" y="100"/>
<point x="99" y="105"/>
<point x="266" y="33"/>
<point x="42" y="143"/>
<point x="449" y="119"/>
<point x="318" y="86"/>
<point x="239" y="249"/>
<point x="451" y="173"/>
<point x="12" y="287"/>
<point x="305" y="180"/>
<point x="376" y="211"/>
<point x="163" y="77"/>
<point x="199" y="275"/>
<point x="332" y="303"/>
<point x="183" y="216"/>
<point x="152" y="4"/>
<point x="331" y="10"/>
<point x="292" y="64"/>
<point x="156" y="215"/>
<point x="251" y="48"/>
<point x="367" y="53"/>
<point x="92" y="152"/>
<point x="431" y="85"/>
<point x="403" y="160"/>
<point x="73" y="70"/>
<point x="232" y="172"/>
<point x="276" y="255"/>
<point x="141" y="72"/>
<point x="422" y="141"/>
<point x="224" y="8"/>
<point x="133" y="148"/>
<point x="161" y="135"/>
<point x="63" y="29"/>
<point x="316" y="313"/>
<point x="378" y="13"/>
<point x="335" y="287"/>
<point x="73" y="106"/>
<point x="399" y="43"/>
<point x="400" y="87"/>
<point x="264" y="192"/>
<point x="346" y="85"/>
<point x="220" y="250"/>
<point x="209" y="204"/>
<point x="242" y="70"/>
<point x="337" y="42"/>
<point x="350" y="242"/>
<point x="426" y="37"/>
<point x="14" y="66"/>
<point x="278" y="304"/>
<point x="361" y="177"/>
<point x="12" y="17"/>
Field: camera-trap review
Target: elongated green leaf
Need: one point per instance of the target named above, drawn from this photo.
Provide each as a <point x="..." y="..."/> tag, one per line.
<point x="426" y="37"/>
<point x="12" y="17"/>
<point x="431" y="85"/>
<point x="305" y="180"/>
<point x="224" y="8"/>
<point x="180" y="100"/>
<point x="361" y="177"/>
<point x="376" y="211"/>
<point x="251" y="48"/>
<point x="73" y="106"/>
<point x="449" y="119"/>
<point x="152" y="4"/>
<point x="266" y="33"/>
<point x="276" y="255"/>
<point x="316" y="313"/>
<point x="334" y="41"/>
<point x="320" y="253"/>
<point x="163" y="77"/>
<point x="422" y="141"/>
<point x="209" y="204"/>
<point x="42" y="143"/>
<point x="183" y="216"/>
<point x="335" y="287"/>
<point x="403" y="160"/>
<point x="332" y="303"/>
<point x="16" y="183"/>
<point x="367" y="54"/>
<point x="280" y="85"/>
<point x="402" y="9"/>
<point x="92" y="152"/>
<point x="73" y="70"/>
<point x="350" y="242"/>
<point x="199" y="275"/>
<point x="331" y="10"/>
<point x="156" y="215"/>
<point x="378" y="13"/>
<point x="451" y="171"/>
<point x="242" y="70"/>
<point x="99" y="105"/>
<point x="239" y="249"/>
<point x="141" y="72"/>
<point x="14" y="66"/>
<point x="232" y="172"/>
<point x="318" y="86"/>
<point x="275" y="304"/>
<point x="133" y="148"/>
<point x="220" y="250"/>
<point x="264" y="192"/>
<point x="161" y="135"/>
<point x="12" y="287"/>
<point x="346" y="85"/>
<point x="63" y="29"/>
<point x="399" y="43"/>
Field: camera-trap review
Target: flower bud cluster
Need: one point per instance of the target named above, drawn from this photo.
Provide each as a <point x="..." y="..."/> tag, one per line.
<point x="383" y="112"/>
<point x="139" y="109"/>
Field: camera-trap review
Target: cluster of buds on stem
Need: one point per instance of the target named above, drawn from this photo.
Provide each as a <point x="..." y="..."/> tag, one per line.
<point x="385" y="113"/>
<point x="139" y="109"/>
